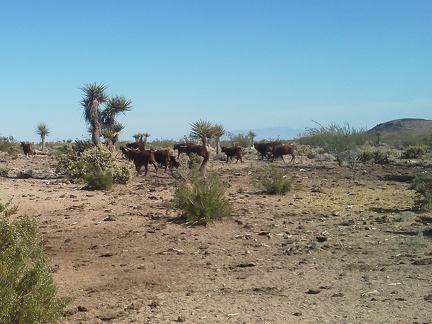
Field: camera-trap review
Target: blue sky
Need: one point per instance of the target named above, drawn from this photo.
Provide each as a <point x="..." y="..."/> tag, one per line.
<point x="242" y="64"/>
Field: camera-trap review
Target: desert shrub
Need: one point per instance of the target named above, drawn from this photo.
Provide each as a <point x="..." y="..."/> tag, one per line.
<point x="201" y="198"/>
<point x="9" y="145"/>
<point x="273" y="181"/>
<point x="7" y="209"/>
<point x="366" y="155"/>
<point x="162" y="144"/>
<point x="242" y="140"/>
<point x="94" y="162"/>
<point x="27" y="288"/>
<point x="381" y="157"/>
<point x="415" y="152"/>
<point x="194" y="161"/>
<point x="4" y="172"/>
<point x="335" y="139"/>
<point x="98" y="179"/>
<point x="422" y="184"/>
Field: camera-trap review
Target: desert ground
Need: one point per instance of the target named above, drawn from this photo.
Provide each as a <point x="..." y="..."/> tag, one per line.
<point x="343" y="246"/>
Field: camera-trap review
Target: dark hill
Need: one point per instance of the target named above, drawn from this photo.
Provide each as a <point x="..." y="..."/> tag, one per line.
<point x="402" y="127"/>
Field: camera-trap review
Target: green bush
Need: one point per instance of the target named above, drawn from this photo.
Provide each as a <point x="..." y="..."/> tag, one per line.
<point x="338" y="140"/>
<point x="202" y="198"/>
<point x="93" y="163"/>
<point x="415" y="152"/>
<point x="27" y="289"/>
<point x="98" y="179"/>
<point x="273" y="181"/>
<point x="422" y="184"/>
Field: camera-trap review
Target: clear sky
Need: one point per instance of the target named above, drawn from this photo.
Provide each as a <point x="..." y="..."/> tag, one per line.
<point x="244" y="64"/>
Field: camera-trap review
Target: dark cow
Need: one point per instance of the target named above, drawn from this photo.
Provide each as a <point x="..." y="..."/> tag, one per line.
<point x="190" y="148"/>
<point x="140" y="158"/>
<point x="231" y="152"/>
<point x="136" y="145"/>
<point x="27" y="149"/>
<point x="281" y="150"/>
<point x="162" y="157"/>
<point x="183" y="148"/>
<point x="173" y="163"/>
<point x="264" y="148"/>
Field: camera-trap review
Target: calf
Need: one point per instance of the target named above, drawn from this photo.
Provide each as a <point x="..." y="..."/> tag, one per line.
<point x="162" y="157"/>
<point x="264" y="148"/>
<point x="140" y="159"/>
<point x="27" y="148"/>
<point x="173" y="163"/>
<point x="231" y="152"/>
<point x="281" y="150"/>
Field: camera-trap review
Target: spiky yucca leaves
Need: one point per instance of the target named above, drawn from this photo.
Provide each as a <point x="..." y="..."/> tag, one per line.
<point x="203" y="130"/>
<point x="42" y="130"/>
<point x="114" y="106"/>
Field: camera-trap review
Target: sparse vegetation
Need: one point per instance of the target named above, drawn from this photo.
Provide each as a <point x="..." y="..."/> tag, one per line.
<point x="273" y="181"/>
<point x="341" y="141"/>
<point x="27" y="288"/>
<point x="422" y="184"/>
<point x="94" y="165"/>
<point x="202" y="199"/>
<point x="415" y="152"/>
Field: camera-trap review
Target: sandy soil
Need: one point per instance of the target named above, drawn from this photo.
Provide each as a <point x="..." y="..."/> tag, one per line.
<point x="341" y="247"/>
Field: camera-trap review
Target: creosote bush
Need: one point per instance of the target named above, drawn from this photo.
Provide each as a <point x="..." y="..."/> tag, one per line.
<point x="201" y="198"/>
<point x="415" y="152"/>
<point x="273" y="181"/>
<point x="97" y="166"/>
<point x="422" y="184"/>
<point x="27" y="288"/>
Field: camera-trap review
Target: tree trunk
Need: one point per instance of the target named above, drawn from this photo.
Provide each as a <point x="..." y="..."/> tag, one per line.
<point x="43" y="143"/>
<point x="94" y="121"/>
<point x="206" y="155"/>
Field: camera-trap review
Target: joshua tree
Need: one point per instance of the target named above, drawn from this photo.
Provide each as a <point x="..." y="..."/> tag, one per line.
<point x="146" y="135"/>
<point x="218" y="132"/>
<point x="94" y="95"/>
<point x="101" y="120"/>
<point x="203" y="130"/>
<point x="42" y="130"/>
<point x="114" y="106"/>
<point x="137" y="136"/>
<point x="251" y="136"/>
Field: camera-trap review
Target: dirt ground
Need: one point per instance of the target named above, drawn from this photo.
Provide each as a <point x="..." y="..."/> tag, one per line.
<point x="343" y="246"/>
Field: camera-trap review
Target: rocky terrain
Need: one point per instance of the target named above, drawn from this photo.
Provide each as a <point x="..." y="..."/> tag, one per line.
<point x="343" y="246"/>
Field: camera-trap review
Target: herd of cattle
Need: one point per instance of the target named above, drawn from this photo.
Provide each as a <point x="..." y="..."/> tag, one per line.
<point x="137" y="153"/>
<point x="141" y="157"/>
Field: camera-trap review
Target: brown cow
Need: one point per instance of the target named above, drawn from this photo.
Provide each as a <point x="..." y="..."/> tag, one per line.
<point x="140" y="158"/>
<point x="264" y="148"/>
<point x="231" y="152"/>
<point x="190" y="148"/>
<point x="136" y="145"/>
<point x="162" y="157"/>
<point x="281" y="150"/>
<point x="173" y="163"/>
<point x="27" y="149"/>
<point x="183" y="148"/>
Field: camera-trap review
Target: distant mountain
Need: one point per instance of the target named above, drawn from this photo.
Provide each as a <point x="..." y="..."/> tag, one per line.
<point x="283" y="133"/>
<point x="403" y="127"/>
<point x="394" y="128"/>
